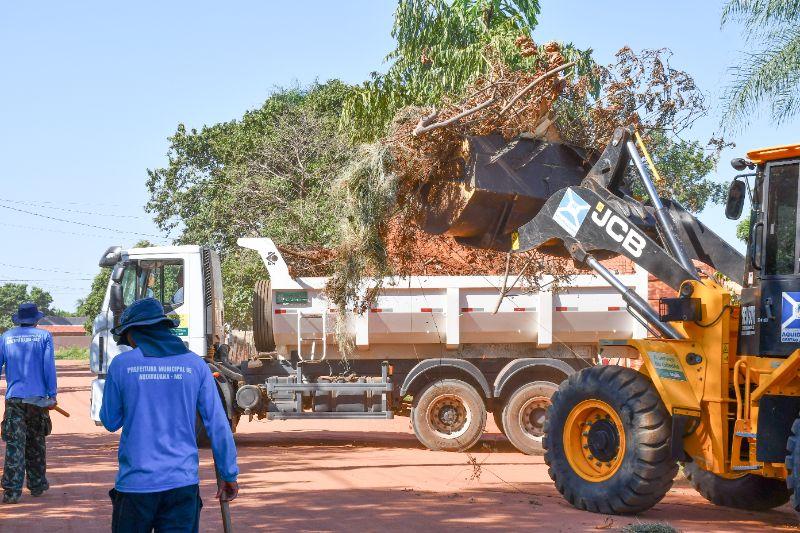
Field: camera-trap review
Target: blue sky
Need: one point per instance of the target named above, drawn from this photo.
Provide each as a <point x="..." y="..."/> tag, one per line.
<point x="92" y="89"/>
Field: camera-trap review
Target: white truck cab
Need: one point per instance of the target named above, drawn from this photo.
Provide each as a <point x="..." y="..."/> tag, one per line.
<point x="185" y="279"/>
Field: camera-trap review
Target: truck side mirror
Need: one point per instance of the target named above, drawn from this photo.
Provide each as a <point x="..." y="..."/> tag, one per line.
<point x="116" y="301"/>
<point x="735" y="202"/>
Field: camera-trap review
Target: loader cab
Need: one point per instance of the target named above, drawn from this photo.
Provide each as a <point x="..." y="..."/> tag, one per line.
<point x="770" y="312"/>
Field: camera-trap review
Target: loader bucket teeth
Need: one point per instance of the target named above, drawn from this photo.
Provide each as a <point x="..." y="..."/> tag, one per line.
<point x="504" y="185"/>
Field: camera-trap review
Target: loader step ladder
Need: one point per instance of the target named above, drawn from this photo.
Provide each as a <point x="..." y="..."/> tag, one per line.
<point x="745" y="435"/>
<point x="298" y="387"/>
<point x="303" y="318"/>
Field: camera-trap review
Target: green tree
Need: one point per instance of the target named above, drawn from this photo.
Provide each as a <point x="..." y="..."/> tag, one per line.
<point x="442" y="47"/>
<point x="770" y="75"/>
<point x="269" y="174"/>
<point x="13" y="294"/>
<point x="91" y="305"/>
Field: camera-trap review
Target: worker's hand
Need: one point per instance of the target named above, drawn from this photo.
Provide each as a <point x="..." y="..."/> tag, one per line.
<point x="227" y="491"/>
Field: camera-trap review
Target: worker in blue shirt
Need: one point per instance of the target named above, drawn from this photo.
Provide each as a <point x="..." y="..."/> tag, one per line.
<point x="26" y="352"/>
<point x="154" y="393"/>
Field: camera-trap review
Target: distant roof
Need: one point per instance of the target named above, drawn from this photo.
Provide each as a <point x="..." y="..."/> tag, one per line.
<point x="63" y="321"/>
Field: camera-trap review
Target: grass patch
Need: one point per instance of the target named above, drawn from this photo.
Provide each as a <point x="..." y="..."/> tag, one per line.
<point x="72" y="353"/>
<point x="651" y="527"/>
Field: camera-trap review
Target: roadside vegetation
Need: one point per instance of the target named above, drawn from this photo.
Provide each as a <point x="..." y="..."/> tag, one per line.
<point x="72" y="353"/>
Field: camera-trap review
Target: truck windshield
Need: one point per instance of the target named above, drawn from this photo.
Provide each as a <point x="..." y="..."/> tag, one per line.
<point x="162" y="280"/>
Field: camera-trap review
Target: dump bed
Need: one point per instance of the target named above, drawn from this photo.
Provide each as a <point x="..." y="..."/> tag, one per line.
<point x="436" y="316"/>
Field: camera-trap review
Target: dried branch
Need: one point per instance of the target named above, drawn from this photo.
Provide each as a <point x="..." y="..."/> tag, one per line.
<point x="535" y="82"/>
<point x="421" y="128"/>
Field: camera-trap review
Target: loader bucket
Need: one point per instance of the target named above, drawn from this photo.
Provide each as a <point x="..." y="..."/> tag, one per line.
<point x="504" y="185"/>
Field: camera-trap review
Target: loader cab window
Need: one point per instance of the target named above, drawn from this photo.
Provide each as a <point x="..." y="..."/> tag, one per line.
<point x="162" y="280"/>
<point x="781" y="229"/>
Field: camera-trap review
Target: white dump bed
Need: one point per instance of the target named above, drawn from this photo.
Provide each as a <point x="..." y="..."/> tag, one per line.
<point x="422" y="316"/>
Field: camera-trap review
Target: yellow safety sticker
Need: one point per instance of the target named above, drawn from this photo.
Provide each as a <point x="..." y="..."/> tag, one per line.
<point x="515" y="241"/>
<point x="667" y="366"/>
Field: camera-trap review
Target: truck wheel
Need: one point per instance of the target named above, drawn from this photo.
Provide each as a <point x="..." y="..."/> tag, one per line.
<point x="448" y="415"/>
<point x="607" y="441"/>
<point x="747" y="491"/>
<point x="200" y="430"/>
<point x="524" y="415"/>
<point x="262" y="317"/>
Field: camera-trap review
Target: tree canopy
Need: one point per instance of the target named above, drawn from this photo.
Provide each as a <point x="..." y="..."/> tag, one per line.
<point x="769" y="74"/>
<point x="13" y="294"/>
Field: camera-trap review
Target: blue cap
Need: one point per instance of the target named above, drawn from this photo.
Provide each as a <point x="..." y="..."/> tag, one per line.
<point x="27" y="313"/>
<point x="147" y="312"/>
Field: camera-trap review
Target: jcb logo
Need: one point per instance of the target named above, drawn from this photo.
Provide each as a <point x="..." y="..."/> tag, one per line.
<point x="619" y="230"/>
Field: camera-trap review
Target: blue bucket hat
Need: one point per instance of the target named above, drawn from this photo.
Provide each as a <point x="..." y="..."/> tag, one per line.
<point x="27" y="313"/>
<point x="147" y="312"/>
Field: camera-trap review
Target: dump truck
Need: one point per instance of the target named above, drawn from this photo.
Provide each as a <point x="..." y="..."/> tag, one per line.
<point x="718" y="386"/>
<point x="440" y="349"/>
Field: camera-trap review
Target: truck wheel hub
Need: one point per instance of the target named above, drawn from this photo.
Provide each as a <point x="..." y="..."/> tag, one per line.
<point x="449" y="416"/>
<point x="532" y="415"/>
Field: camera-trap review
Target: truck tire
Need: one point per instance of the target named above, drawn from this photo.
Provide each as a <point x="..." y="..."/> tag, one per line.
<point x="607" y="441"/>
<point x="524" y="415"/>
<point x="748" y="491"/>
<point x="262" y="317"/>
<point x="448" y="415"/>
<point x="202" y="436"/>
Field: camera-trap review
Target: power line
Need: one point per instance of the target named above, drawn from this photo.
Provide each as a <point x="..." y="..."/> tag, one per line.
<point x="51" y="230"/>
<point x="40" y="269"/>
<point x="106" y="228"/>
<point x="43" y="280"/>
<point x="45" y="206"/>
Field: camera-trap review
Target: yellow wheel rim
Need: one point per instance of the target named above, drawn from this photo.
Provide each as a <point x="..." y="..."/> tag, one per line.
<point x="594" y="440"/>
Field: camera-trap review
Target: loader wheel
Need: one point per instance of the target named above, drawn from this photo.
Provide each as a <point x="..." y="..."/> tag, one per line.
<point x="747" y="491"/>
<point x="448" y="415"/>
<point x="262" y="317"/>
<point x="524" y="415"/>
<point x="793" y="465"/>
<point x="607" y="441"/>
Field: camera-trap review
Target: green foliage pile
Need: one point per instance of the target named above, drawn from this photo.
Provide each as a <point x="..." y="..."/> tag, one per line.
<point x="13" y="294"/>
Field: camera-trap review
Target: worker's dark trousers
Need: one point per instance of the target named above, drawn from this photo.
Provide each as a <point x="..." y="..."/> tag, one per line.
<point x="173" y="511"/>
<point x="24" y="429"/>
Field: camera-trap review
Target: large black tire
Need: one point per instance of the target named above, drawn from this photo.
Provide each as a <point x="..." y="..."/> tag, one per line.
<point x="448" y="415"/>
<point x="262" y="317"/>
<point x="607" y="441"/>
<point x="524" y="415"/>
<point x="793" y="465"/>
<point x="750" y="492"/>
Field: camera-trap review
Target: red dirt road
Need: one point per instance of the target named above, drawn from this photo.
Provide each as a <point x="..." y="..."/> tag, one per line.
<point x="344" y="476"/>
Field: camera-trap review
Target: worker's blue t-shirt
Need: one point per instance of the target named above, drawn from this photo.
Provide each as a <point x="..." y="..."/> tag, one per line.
<point x="155" y="400"/>
<point x="30" y="366"/>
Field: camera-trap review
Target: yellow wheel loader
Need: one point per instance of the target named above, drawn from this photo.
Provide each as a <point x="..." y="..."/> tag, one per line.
<point x="719" y="385"/>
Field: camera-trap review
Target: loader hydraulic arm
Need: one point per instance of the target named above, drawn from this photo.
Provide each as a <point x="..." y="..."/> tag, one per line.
<point x="599" y="218"/>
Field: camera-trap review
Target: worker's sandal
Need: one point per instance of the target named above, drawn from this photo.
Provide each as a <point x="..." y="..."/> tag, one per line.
<point x="10" y="498"/>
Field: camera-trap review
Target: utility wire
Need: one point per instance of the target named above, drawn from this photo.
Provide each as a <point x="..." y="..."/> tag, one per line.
<point x="51" y="230"/>
<point x="106" y="228"/>
<point x="45" y="206"/>
<point x="40" y="269"/>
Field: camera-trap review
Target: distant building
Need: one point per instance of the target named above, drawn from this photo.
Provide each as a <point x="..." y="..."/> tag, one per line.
<point x="66" y="331"/>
